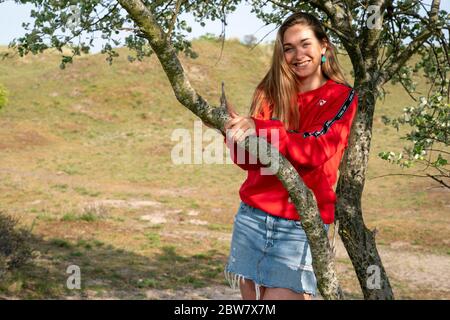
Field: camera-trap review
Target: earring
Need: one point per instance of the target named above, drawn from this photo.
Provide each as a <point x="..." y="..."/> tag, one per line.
<point x="324" y="58"/>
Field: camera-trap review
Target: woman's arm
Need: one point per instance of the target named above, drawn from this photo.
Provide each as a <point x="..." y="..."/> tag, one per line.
<point x="244" y="160"/>
<point x="319" y="141"/>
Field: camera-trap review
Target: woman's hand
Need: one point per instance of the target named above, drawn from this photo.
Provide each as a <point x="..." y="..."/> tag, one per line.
<point x="238" y="127"/>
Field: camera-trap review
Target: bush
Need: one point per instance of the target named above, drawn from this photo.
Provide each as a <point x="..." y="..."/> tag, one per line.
<point x="250" y="40"/>
<point x="3" y="96"/>
<point x="429" y="122"/>
<point x="209" y="37"/>
<point x="15" y="249"/>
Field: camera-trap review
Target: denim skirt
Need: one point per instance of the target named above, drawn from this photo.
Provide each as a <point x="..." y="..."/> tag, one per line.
<point x="271" y="251"/>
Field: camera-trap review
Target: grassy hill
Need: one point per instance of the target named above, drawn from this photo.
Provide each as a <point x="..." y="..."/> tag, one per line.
<point x="85" y="161"/>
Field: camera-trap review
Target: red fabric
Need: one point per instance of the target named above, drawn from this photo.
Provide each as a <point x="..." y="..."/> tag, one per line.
<point x="316" y="158"/>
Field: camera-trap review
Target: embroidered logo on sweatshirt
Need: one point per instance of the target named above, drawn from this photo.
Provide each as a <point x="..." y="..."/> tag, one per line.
<point x="322" y="102"/>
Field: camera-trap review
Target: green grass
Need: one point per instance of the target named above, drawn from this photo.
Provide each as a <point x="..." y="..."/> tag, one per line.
<point x="61" y="243"/>
<point x="219" y="227"/>
<point x="60" y="187"/>
<point x="153" y="238"/>
<point x="44" y="216"/>
<point x="85" y="192"/>
<point x="87" y="216"/>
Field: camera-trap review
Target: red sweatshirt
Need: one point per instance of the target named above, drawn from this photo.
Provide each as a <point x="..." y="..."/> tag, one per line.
<point x="315" y="150"/>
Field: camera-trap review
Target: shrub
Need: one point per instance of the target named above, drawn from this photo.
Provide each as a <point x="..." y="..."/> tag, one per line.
<point x="209" y="37"/>
<point x="15" y="249"/>
<point x="250" y="40"/>
<point x="3" y="96"/>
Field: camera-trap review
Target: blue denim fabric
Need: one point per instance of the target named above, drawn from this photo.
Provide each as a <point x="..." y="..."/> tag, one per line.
<point x="272" y="251"/>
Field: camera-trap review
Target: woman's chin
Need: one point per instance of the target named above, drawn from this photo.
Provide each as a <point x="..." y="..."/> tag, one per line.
<point x="303" y="74"/>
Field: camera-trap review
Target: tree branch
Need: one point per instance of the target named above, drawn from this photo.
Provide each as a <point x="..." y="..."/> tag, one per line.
<point x="341" y="19"/>
<point x="395" y="65"/>
<point x="340" y="34"/>
<point x="434" y="177"/>
<point x="174" y="18"/>
<point x="438" y="180"/>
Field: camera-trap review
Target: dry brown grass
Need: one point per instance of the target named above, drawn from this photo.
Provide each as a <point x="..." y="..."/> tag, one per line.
<point x="94" y="132"/>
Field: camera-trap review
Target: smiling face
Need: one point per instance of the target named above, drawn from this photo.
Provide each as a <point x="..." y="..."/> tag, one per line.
<point x="303" y="53"/>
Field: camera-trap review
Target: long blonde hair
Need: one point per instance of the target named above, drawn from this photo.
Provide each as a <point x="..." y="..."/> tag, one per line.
<point x="278" y="89"/>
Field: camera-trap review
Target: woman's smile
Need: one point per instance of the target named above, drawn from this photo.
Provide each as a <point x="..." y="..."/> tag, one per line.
<point x="302" y="64"/>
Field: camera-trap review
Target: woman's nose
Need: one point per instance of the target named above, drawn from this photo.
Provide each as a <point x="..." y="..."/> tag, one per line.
<point x="299" y="54"/>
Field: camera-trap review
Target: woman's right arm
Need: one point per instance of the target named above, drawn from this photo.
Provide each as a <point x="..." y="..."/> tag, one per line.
<point x="242" y="157"/>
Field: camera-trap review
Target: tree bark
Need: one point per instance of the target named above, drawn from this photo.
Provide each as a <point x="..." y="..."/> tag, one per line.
<point x="369" y="77"/>
<point x="358" y="240"/>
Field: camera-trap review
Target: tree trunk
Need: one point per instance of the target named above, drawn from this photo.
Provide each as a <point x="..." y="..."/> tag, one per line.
<point x="358" y="240"/>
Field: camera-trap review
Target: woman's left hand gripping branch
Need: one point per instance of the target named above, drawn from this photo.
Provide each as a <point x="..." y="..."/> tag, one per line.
<point x="238" y="127"/>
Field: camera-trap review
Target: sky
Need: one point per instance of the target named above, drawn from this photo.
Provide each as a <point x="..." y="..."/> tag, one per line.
<point x="240" y="23"/>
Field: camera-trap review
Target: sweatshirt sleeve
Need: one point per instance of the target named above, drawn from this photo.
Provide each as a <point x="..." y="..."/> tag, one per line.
<point x="318" y="142"/>
<point x="242" y="157"/>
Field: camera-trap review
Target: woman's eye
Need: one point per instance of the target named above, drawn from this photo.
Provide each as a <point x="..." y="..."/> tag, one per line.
<point x="306" y="45"/>
<point x="287" y="49"/>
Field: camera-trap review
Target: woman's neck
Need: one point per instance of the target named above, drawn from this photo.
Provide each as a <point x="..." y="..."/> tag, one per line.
<point x="311" y="84"/>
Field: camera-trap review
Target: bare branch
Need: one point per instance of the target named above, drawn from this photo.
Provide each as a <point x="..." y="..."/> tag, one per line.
<point x="437" y="151"/>
<point x="407" y="90"/>
<point x="413" y="46"/>
<point x="222" y="34"/>
<point x="434" y="177"/>
<point x="174" y="18"/>
<point x="262" y="39"/>
<point x="283" y="6"/>
<point x="322" y="5"/>
<point x="438" y="180"/>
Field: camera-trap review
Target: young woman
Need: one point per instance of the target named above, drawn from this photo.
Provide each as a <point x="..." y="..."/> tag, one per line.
<point x="305" y="99"/>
